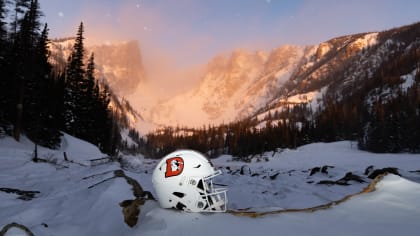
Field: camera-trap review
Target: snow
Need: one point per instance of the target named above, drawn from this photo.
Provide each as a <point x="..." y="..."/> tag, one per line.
<point x="367" y="40"/>
<point x="71" y="202"/>
<point x="313" y="99"/>
<point x="408" y="80"/>
<point x="232" y="86"/>
<point x="125" y="137"/>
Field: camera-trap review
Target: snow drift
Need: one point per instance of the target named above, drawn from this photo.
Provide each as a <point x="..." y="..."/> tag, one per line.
<point x="73" y="199"/>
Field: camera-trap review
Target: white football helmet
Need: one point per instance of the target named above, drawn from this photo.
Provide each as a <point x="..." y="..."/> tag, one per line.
<point x="183" y="180"/>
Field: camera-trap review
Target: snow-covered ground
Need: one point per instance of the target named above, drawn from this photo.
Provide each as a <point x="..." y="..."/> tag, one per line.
<point x="67" y="199"/>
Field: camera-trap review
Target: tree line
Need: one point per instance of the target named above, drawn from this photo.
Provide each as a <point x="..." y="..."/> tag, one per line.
<point x="380" y="111"/>
<point x="40" y="104"/>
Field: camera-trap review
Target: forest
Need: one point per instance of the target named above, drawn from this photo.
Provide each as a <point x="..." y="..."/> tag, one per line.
<point x="375" y="111"/>
<point x="40" y="102"/>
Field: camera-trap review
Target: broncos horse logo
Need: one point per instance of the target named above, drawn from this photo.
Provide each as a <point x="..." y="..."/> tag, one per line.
<point x="174" y="166"/>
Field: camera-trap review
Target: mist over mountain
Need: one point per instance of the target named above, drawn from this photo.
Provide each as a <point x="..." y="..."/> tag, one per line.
<point x="242" y="83"/>
<point x="119" y="64"/>
<point x="232" y="86"/>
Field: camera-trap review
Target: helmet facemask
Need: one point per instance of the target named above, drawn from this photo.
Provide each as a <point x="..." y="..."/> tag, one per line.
<point x="212" y="199"/>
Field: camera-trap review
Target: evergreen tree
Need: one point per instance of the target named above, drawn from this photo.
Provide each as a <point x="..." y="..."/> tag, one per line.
<point x="25" y="57"/>
<point x="89" y="101"/>
<point x="45" y="131"/>
<point x="75" y="74"/>
<point x="3" y="31"/>
<point x="19" y="7"/>
<point x="3" y="63"/>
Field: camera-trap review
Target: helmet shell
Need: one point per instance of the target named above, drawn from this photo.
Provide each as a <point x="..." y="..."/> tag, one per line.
<point x="183" y="180"/>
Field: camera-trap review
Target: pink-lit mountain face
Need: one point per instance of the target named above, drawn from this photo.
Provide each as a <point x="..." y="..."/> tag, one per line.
<point x="233" y="86"/>
<point x="243" y="84"/>
<point x="254" y="84"/>
<point x="119" y="64"/>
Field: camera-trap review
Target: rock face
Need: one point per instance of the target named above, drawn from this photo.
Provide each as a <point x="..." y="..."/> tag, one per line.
<point x="233" y="86"/>
<point x="119" y="64"/>
<point x="244" y="84"/>
<point x="253" y="84"/>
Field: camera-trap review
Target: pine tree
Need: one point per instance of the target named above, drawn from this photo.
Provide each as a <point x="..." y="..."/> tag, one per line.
<point x="4" y="80"/>
<point x="19" y="7"/>
<point x="107" y="130"/>
<point x="46" y="128"/>
<point x="89" y="100"/>
<point x="3" y="31"/>
<point x="25" y="57"/>
<point x="75" y="74"/>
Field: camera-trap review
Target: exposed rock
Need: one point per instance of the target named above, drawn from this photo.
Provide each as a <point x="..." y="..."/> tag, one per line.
<point x="245" y="170"/>
<point x="331" y="182"/>
<point x="351" y="177"/>
<point x="343" y="181"/>
<point x="314" y="170"/>
<point x="23" y="194"/>
<point x="131" y="210"/>
<point x="368" y="170"/>
<point x="390" y="170"/>
<point x="273" y="177"/>
<point x="323" y="169"/>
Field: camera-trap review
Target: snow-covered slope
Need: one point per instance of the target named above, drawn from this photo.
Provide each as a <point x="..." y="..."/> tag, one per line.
<point x="233" y="86"/>
<point x="341" y="67"/>
<point x="77" y="198"/>
<point x="242" y="84"/>
<point x="251" y="84"/>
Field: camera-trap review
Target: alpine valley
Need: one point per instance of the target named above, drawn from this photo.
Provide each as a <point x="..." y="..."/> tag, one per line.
<point x="242" y="84"/>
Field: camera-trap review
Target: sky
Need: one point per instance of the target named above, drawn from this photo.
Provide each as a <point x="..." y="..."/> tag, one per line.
<point x="190" y="32"/>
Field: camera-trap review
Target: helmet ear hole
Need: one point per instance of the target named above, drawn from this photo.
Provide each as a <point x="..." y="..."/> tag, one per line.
<point x="178" y="194"/>
<point x="200" y="204"/>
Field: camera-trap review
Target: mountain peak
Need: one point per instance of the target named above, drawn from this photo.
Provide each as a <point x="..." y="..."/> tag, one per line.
<point x="244" y="83"/>
<point x="119" y="63"/>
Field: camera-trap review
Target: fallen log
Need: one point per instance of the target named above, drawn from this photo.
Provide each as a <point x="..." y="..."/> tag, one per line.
<point x="370" y="188"/>
<point x="16" y="225"/>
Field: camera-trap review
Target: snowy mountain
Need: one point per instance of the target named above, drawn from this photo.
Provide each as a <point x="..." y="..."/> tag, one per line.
<point x="252" y="84"/>
<point x="119" y="64"/>
<point x="242" y="84"/>
<point x="233" y="86"/>
<point x="84" y="194"/>
<point x="347" y="66"/>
